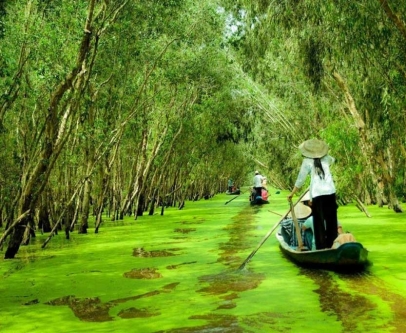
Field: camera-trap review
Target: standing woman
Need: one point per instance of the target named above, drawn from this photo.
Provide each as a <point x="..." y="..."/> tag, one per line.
<point x="322" y="191"/>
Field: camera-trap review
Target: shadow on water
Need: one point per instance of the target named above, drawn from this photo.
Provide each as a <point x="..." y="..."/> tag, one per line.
<point x="356" y="306"/>
<point x="185" y="230"/>
<point x="238" y="242"/>
<point x="349" y="308"/>
<point x="233" y="280"/>
<point x="255" y="209"/>
<point x="227" y="285"/>
<point x="373" y="286"/>
<point x="192" y="222"/>
<point x="92" y="309"/>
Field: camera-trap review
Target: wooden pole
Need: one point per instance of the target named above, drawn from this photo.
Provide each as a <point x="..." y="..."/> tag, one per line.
<point x="297" y="229"/>
<point x="270" y="232"/>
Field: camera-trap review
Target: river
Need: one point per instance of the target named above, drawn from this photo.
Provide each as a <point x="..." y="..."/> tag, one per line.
<point x="179" y="273"/>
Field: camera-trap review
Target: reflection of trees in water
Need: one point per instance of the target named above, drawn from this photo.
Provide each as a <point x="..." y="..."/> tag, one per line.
<point x="373" y="286"/>
<point x="355" y="309"/>
<point x="238" y="230"/>
<point x="230" y="281"/>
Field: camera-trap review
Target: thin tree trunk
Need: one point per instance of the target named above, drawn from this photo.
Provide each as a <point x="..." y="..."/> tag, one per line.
<point x="53" y="143"/>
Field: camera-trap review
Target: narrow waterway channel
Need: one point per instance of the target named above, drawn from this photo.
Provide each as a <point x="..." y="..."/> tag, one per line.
<point x="179" y="273"/>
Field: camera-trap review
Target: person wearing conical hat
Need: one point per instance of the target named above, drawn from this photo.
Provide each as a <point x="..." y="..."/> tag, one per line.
<point x="322" y="192"/>
<point x="302" y="211"/>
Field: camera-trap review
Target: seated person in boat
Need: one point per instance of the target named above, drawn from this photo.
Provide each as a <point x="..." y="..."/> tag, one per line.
<point x="264" y="194"/>
<point x="341" y="238"/>
<point x="302" y="212"/>
<point x="264" y="182"/>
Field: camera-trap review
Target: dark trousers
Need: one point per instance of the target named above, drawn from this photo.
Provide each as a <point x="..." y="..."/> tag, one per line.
<point x="324" y="220"/>
<point x="257" y="191"/>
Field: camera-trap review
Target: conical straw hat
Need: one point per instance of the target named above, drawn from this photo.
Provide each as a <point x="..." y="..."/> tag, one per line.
<point x="302" y="211"/>
<point x="313" y="148"/>
<point x="306" y="197"/>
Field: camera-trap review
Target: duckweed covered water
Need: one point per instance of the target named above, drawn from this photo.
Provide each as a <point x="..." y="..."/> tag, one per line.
<point x="179" y="273"/>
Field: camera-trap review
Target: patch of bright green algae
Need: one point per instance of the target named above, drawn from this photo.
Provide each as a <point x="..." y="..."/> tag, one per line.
<point x="179" y="273"/>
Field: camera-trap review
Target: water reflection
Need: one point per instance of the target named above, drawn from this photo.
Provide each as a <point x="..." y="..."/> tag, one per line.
<point x="222" y="283"/>
<point x="213" y="290"/>
<point x="140" y="252"/>
<point x="350" y="308"/>
<point x="352" y="303"/>
<point x="93" y="310"/>
<point x="185" y="230"/>
<point x="238" y="241"/>
<point x="372" y="286"/>
<point x="143" y="273"/>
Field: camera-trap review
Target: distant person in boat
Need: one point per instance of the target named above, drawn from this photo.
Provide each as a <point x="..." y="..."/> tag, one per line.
<point x="316" y="162"/>
<point x="264" y="194"/>
<point x="258" y="178"/>
<point x="264" y="190"/>
<point x="264" y="182"/>
<point x="230" y="185"/>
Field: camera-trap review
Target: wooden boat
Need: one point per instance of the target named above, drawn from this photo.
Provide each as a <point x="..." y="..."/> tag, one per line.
<point x="347" y="256"/>
<point x="258" y="201"/>
<point x="234" y="192"/>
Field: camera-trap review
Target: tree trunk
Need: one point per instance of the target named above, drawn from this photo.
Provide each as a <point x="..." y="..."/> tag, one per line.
<point x="105" y="181"/>
<point x="44" y="222"/>
<point x="16" y="237"/>
<point x="53" y="142"/>
<point x="85" y="207"/>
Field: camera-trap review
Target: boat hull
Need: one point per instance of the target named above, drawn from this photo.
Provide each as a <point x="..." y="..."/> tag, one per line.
<point x="259" y="201"/>
<point x="348" y="255"/>
<point x="236" y="192"/>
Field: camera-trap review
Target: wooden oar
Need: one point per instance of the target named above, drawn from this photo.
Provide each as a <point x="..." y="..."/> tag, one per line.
<point x="232" y="199"/>
<point x="298" y="232"/>
<point x="270" y="232"/>
<point x="274" y="212"/>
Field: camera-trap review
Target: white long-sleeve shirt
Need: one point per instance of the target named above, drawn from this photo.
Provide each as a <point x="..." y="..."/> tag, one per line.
<point x="258" y="180"/>
<point x="318" y="186"/>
